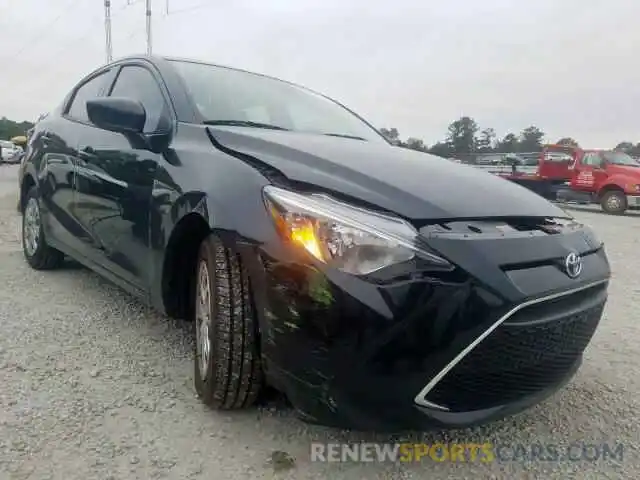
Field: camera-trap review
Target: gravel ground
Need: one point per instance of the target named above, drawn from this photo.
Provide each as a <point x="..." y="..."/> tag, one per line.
<point x="94" y="386"/>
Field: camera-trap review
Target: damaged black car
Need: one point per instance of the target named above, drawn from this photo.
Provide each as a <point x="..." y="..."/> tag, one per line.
<point x="377" y="287"/>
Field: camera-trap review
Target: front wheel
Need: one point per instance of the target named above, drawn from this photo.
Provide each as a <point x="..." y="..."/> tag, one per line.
<point x="228" y="372"/>
<point x="614" y="202"/>
<point x="37" y="252"/>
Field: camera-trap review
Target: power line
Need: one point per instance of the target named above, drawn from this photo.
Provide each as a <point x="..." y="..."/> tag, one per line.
<point x="107" y="23"/>
<point x="188" y="9"/>
<point x="45" y="31"/>
<point x="132" y="35"/>
<point x="91" y="31"/>
<point x="55" y="73"/>
<point x="65" y="48"/>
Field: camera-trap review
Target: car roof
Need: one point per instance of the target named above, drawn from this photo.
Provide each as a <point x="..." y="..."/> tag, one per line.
<point x="211" y="64"/>
<point x="156" y="59"/>
<point x="161" y="63"/>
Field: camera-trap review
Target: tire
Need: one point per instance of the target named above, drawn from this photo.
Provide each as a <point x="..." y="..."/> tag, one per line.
<point x="38" y="254"/>
<point x="614" y="202"/>
<point x="230" y="377"/>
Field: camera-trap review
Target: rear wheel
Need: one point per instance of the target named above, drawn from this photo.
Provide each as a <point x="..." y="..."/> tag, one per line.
<point x="614" y="202"/>
<point x="228" y="372"/>
<point x="37" y="252"/>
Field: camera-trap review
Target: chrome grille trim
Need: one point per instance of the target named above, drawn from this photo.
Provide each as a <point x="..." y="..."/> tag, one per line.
<point x="421" y="400"/>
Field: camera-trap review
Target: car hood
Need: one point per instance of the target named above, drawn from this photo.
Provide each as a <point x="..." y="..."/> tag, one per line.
<point x="629" y="170"/>
<point x="412" y="184"/>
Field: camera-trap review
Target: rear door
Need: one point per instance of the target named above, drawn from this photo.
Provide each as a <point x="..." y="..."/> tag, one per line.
<point x="116" y="174"/>
<point x="53" y="150"/>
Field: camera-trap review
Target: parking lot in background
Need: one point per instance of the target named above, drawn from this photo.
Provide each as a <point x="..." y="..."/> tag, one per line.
<point x="93" y="385"/>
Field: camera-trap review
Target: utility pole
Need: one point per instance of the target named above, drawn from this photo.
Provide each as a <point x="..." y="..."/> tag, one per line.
<point x="149" y="39"/>
<point x="107" y="29"/>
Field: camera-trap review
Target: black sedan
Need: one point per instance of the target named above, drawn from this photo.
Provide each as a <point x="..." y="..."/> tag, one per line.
<point x="376" y="286"/>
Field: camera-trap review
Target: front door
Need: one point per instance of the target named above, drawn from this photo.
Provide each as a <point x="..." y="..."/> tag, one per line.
<point x="116" y="173"/>
<point x="589" y="172"/>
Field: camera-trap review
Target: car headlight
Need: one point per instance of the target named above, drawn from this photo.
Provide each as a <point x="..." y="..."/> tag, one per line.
<point x="349" y="238"/>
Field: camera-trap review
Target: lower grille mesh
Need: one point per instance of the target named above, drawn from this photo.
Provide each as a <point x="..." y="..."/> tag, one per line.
<point x="517" y="360"/>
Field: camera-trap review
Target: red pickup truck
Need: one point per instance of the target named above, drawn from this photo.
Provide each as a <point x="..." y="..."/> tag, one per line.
<point x="609" y="178"/>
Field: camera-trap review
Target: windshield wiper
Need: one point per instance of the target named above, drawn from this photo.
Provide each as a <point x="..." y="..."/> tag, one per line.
<point x="243" y="123"/>
<point x="344" y="135"/>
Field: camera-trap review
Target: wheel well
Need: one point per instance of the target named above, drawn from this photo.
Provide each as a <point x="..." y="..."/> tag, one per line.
<point x="180" y="265"/>
<point x="609" y="188"/>
<point x="27" y="183"/>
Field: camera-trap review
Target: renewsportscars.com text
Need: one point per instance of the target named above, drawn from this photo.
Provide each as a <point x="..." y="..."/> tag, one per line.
<point x="466" y="452"/>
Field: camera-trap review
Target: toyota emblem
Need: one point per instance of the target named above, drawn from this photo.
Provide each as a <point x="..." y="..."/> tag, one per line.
<point x="573" y="265"/>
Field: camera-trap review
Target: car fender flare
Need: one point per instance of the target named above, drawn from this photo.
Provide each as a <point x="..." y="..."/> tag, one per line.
<point x="617" y="182"/>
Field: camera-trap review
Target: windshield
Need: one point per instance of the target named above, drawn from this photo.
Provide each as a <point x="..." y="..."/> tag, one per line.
<point x="619" y="158"/>
<point x="233" y="97"/>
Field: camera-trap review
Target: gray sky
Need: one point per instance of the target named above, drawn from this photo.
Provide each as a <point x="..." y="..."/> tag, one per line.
<point x="568" y="66"/>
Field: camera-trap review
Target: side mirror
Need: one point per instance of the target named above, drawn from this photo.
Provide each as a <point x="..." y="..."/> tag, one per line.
<point x="117" y="114"/>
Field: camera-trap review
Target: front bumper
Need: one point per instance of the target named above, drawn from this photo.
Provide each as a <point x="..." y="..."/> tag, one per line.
<point x="633" y="201"/>
<point x="358" y="413"/>
<point x="442" y="350"/>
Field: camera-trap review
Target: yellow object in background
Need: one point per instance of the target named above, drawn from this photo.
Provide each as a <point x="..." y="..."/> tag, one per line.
<point x="19" y="140"/>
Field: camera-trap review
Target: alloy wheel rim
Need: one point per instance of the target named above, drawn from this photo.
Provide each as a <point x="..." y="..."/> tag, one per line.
<point x="31" y="227"/>
<point x="614" y="202"/>
<point x="203" y="319"/>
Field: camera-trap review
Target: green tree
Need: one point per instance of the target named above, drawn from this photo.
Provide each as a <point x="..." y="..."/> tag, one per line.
<point x="391" y="134"/>
<point x="633" y="150"/>
<point x="509" y="144"/>
<point x="624" y="146"/>
<point x="568" y="142"/>
<point x="416" y="144"/>
<point x="461" y="135"/>
<point x="531" y="139"/>
<point x="464" y="138"/>
<point x="10" y="129"/>
<point x="486" y="139"/>
<point x="441" y="149"/>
